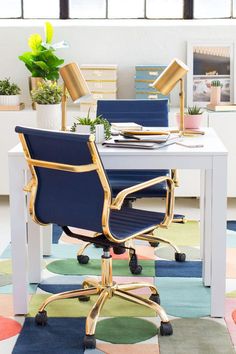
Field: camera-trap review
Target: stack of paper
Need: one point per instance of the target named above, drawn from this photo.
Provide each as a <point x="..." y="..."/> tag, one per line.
<point x="126" y="126"/>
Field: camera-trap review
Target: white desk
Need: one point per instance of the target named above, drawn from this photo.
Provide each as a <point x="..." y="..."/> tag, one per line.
<point x="211" y="160"/>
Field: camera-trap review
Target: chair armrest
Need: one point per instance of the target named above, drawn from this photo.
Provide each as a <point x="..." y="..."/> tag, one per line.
<point x="117" y="203"/>
<point x="175" y="177"/>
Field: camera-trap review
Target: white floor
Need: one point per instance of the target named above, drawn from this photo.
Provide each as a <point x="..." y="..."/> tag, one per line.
<point x="187" y="206"/>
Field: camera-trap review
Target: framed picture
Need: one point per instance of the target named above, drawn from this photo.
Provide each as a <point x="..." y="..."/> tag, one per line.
<point x="208" y="62"/>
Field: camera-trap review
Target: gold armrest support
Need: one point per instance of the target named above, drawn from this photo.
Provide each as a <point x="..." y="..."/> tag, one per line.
<point x="61" y="166"/>
<point x="175" y="177"/>
<point x="117" y="204"/>
<point x="29" y="186"/>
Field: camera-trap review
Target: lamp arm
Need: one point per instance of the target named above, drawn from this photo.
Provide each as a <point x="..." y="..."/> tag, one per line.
<point x="181" y="104"/>
<point x="63" y="108"/>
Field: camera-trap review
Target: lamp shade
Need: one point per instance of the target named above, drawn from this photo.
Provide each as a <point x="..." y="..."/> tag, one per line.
<point x="170" y="76"/>
<point x="74" y="81"/>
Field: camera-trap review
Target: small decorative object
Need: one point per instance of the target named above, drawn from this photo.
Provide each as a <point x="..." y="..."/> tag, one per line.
<point x="9" y="93"/>
<point x="42" y="63"/>
<point x="192" y="118"/>
<point x="98" y="126"/>
<point x="48" y="97"/>
<point x="216" y="86"/>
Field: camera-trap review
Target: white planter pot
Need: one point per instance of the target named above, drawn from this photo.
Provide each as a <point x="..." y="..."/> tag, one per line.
<point x="9" y="100"/>
<point x="49" y="116"/>
<point x="83" y="129"/>
<point x="99" y="133"/>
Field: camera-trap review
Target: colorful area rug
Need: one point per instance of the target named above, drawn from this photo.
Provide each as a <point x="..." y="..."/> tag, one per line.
<point x="125" y="327"/>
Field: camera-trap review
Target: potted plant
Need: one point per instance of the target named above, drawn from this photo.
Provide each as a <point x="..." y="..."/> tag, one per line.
<point x="41" y="61"/>
<point x="98" y="126"/>
<point x="9" y="93"/>
<point x="48" y="97"/>
<point x="216" y="86"/>
<point x="192" y="118"/>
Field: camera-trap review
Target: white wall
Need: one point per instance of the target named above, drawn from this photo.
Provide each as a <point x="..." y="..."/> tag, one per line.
<point x="110" y="42"/>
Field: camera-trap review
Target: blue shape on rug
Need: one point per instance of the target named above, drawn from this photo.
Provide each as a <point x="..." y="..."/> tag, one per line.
<point x="61" y="335"/>
<point x="188" y="269"/>
<point x="59" y="288"/>
<point x="56" y="233"/>
<point x="231" y="225"/>
<point x="184" y="297"/>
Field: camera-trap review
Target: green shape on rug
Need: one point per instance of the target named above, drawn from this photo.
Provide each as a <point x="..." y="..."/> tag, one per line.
<point x="5" y="279"/>
<point x="5" y="266"/>
<point x="70" y="266"/>
<point x="74" y="308"/>
<point x="196" y="336"/>
<point x="231" y="294"/>
<point x="125" y="330"/>
<point x="187" y="234"/>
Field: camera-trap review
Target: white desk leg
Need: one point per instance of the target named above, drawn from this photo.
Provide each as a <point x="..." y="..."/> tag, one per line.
<point x="219" y="213"/>
<point x="205" y="224"/>
<point x="47" y="240"/>
<point x="18" y="235"/>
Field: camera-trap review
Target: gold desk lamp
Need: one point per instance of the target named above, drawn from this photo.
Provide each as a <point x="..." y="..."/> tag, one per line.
<point x="165" y="83"/>
<point x="75" y="84"/>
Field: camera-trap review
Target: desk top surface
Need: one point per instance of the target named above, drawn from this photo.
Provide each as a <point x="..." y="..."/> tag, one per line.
<point x="212" y="145"/>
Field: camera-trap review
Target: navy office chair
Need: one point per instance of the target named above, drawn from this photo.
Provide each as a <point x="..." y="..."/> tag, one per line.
<point x="149" y="113"/>
<point x="69" y="187"/>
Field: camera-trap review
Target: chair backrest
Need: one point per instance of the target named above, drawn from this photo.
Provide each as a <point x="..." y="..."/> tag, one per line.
<point x="149" y="113"/>
<point x="63" y="197"/>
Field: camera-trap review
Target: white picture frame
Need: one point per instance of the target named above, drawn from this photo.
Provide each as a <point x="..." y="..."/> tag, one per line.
<point x="207" y="61"/>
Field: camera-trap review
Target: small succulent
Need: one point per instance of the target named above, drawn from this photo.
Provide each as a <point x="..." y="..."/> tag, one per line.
<point x="7" y="88"/>
<point x="194" y="110"/>
<point x="216" y="83"/>
<point x="47" y="93"/>
<point x="92" y="122"/>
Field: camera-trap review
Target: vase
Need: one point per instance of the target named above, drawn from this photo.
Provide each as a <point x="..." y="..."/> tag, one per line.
<point x="33" y="84"/>
<point x="215" y="95"/>
<point x="83" y="129"/>
<point x="191" y="121"/>
<point x="99" y="133"/>
<point x="49" y="116"/>
<point x="9" y="100"/>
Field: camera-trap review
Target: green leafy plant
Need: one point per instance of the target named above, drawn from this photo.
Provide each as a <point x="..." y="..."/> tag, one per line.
<point x="7" y="88"/>
<point x="216" y="83"/>
<point x="47" y="93"/>
<point x="41" y="61"/>
<point x="93" y="122"/>
<point x="194" y="110"/>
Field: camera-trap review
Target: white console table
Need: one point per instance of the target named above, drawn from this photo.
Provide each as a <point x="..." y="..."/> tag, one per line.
<point x="210" y="159"/>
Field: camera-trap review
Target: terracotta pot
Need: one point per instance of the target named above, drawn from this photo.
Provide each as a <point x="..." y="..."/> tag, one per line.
<point x="190" y="121"/>
<point x="215" y="95"/>
<point x="49" y="116"/>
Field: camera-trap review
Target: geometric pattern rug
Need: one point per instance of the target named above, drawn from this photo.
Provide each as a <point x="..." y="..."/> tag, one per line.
<point x="125" y="327"/>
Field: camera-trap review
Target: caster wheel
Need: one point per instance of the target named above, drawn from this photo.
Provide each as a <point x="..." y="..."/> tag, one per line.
<point x="97" y="246"/>
<point x="180" y="257"/>
<point x="136" y="270"/>
<point x="166" y="329"/>
<point x="154" y="244"/>
<point x="84" y="298"/>
<point x="82" y="259"/>
<point x="119" y="250"/>
<point x="41" y="318"/>
<point x="89" y="342"/>
<point x="155" y="298"/>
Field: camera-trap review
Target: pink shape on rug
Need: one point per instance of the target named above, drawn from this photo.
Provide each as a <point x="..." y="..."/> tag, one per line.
<point x="128" y="348"/>
<point x="8" y="328"/>
<point x="230" y="263"/>
<point x="142" y="291"/>
<point x="230" y="306"/>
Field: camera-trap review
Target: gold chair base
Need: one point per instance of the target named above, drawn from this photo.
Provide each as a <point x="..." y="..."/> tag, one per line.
<point x="106" y="289"/>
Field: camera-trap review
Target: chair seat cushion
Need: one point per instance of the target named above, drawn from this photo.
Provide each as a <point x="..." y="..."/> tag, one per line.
<point x="128" y="221"/>
<point x="121" y="179"/>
